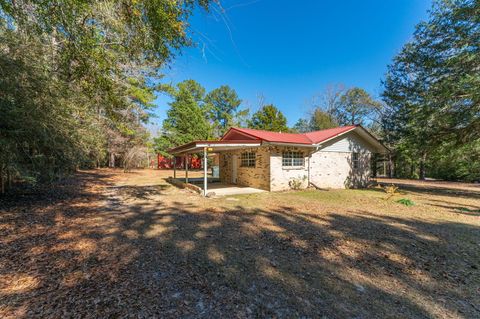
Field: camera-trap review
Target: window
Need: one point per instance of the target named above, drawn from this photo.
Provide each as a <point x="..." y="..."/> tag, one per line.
<point x="248" y="159"/>
<point x="355" y="161"/>
<point x="293" y="159"/>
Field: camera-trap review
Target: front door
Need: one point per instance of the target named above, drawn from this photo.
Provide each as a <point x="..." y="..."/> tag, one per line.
<point x="234" y="169"/>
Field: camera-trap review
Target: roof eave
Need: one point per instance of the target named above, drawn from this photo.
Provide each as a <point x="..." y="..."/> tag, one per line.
<point x="289" y="144"/>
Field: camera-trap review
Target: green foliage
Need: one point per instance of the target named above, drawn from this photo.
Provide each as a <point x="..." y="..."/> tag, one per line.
<point x="76" y="79"/>
<point x="186" y="118"/>
<point x="432" y="92"/>
<point x="196" y="116"/>
<point x="302" y="126"/>
<point x="456" y="162"/>
<point x="406" y="202"/>
<point x="355" y="106"/>
<point x="222" y="106"/>
<point x="318" y="120"/>
<point x="321" y="120"/>
<point x="269" y="118"/>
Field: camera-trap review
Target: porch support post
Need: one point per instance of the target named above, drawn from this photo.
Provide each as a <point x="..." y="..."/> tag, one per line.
<point x="174" y="166"/>
<point x="186" y="168"/>
<point x="204" y="171"/>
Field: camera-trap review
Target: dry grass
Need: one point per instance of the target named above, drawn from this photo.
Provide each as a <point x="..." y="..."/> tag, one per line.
<point x="108" y="244"/>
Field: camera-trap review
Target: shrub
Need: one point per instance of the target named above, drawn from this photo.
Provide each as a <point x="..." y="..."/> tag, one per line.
<point x="406" y="202"/>
<point x="296" y="183"/>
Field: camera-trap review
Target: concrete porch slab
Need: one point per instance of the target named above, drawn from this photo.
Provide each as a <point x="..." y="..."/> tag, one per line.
<point x="214" y="186"/>
<point x="227" y="189"/>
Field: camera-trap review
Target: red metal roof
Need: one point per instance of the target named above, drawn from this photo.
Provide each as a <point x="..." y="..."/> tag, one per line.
<point x="320" y="136"/>
<point x="278" y="137"/>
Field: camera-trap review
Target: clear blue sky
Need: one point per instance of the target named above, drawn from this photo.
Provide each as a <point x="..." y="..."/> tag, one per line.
<point x="289" y="51"/>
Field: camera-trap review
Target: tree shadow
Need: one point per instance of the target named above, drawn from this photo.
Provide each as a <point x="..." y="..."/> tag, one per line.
<point x="184" y="259"/>
<point x="140" y="192"/>
<point x="433" y="190"/>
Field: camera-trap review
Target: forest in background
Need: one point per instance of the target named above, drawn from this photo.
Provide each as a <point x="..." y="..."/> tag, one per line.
<point x="78" y="80"/>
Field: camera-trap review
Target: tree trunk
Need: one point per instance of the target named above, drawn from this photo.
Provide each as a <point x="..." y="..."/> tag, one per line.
<point x="390" y="166"/>
<point x="423" y="159"/>
<point x="111" y="163"/>
<point x="2" y="182"/>
<point x="9" y="179"/>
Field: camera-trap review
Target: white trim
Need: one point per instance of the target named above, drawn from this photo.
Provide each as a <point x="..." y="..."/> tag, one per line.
<point x="290" y="144"/>
<point x="229" y="145"/>
<point x="210" y="145"/>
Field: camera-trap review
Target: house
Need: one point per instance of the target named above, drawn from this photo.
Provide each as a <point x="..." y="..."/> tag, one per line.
<point x="274" y="161"/>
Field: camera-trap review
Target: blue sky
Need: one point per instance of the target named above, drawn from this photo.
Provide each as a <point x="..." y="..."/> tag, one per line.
<point x="289" y="51"/>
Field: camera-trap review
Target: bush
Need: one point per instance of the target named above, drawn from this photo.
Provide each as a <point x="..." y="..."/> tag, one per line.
<point x="406" y="202"/>
<point x="296" y="183"/>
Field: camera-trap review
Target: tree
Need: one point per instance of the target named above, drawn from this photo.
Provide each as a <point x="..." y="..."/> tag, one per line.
<point x="186" y="119"/>
<point x="269" y="118"/>
<point x="76" y="79"/>
<point x="222" y="106"/>
<point x="318" y="120"/>
<point x="302" y="126"/>
<point x="321" y="120"/>
<point x="431" y="88"/>
<point x="355" y="106"/>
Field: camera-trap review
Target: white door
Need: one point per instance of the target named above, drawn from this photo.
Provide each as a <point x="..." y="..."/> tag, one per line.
<point x="234" y="169"/>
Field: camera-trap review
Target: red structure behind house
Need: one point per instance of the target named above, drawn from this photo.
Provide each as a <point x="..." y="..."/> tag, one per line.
<point x="167" y="162"/>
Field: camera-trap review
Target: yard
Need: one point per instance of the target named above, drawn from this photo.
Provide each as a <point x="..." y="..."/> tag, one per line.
<point x="109" y="244"/>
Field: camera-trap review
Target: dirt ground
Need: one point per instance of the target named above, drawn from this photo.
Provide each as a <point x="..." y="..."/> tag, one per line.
<point x="109" y="244"/>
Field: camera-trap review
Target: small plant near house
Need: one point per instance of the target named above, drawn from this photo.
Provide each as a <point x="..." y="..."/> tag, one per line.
<point x="296" y="183"/>
<point x="391" y="191"/>
<point x="406" y="202"/>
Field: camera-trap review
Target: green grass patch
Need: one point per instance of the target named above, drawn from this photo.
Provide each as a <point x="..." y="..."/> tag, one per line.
<point x="468" y="210"/>
<point x="406" y="202"/>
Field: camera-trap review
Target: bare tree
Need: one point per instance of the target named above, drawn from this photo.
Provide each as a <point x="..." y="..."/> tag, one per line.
<point x="328" y="99"/>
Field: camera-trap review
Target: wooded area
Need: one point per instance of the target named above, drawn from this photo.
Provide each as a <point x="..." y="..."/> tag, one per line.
<point x="78" y="81"/>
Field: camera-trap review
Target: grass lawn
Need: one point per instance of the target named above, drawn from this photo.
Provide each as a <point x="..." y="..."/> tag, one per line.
<point x="109" y="244"/>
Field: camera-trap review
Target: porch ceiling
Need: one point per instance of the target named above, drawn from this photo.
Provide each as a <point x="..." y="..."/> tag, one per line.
<point x="213" y="146"/>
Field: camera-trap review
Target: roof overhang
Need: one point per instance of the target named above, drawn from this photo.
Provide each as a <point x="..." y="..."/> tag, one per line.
<point x="290" y="144"/>
<point x="213" y="146"/>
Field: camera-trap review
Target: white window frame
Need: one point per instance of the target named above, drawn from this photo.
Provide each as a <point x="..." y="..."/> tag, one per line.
<point x="292" y="159"/>
<point x="355" y="160"/>
<point x="248" y="159"/>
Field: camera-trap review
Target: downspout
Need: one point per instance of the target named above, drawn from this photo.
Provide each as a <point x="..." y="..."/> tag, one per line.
<point x="317" y="147"/>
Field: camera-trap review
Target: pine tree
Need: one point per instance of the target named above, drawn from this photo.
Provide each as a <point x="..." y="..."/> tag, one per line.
<point x="269" y="118"/>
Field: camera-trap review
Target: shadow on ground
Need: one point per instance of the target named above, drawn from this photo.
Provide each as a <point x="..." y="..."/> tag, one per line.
<point x="171" y="259"/>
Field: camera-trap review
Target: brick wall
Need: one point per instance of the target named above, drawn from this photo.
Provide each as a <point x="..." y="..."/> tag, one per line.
<point x="335" y="169"/>
<point x="258" y="176"/>
<point x="280" y="176"/>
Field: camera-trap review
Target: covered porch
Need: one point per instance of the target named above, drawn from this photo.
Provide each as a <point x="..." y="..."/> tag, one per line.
<point x="210" y="185"/>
